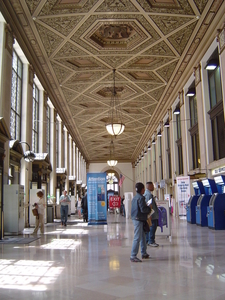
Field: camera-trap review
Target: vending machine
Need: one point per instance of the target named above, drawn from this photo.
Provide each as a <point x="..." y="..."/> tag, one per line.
<point x="191" y="214"/>
<point x="216" y="208"/>
<point x="13" y="209"/>
<point x="203" y="202"/>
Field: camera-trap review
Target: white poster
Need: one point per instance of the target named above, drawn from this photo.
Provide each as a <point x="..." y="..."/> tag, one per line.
<point x="183" y="194"/>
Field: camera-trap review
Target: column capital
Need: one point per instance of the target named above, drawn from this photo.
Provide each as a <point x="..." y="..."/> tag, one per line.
<point x="45" y="99"/>
<point x="31" y="74"/>
<point x="9" y="40"/>
<point x="221" y="38"/>
<point x="197" y="74"/>
<point x="181" y="98"/>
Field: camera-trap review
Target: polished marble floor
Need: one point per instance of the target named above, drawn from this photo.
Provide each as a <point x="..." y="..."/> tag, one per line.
<point x="92" y="262"/>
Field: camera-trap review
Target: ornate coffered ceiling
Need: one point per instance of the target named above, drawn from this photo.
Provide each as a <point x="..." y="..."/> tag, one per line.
<point x="74" y="45"/>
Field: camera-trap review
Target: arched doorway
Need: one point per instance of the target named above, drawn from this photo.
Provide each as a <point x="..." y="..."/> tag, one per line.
<point x="112" y="178"/>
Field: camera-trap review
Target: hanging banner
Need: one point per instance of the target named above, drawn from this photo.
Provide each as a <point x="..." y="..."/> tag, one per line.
<point x="97" y="197"/>
<point x="183" y="194"/>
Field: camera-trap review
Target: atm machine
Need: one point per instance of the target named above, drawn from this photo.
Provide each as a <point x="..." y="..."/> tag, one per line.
<point x="192" y="202"/>
<point x="216" y="208"/>
<point x="203" y="202"/>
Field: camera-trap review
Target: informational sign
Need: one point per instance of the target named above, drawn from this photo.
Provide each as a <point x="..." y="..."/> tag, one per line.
<point x="167" y="198"/>
<point x="183" y="194"/>
<point x="164" y="227"/>
<point x="114" y="202"/>
<point x="97" y="198"/>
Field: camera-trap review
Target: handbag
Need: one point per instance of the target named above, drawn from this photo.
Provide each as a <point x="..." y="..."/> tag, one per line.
<point x="35" y="212"/>
<point x="149" y="221"/>
<point x="146" y="227"/>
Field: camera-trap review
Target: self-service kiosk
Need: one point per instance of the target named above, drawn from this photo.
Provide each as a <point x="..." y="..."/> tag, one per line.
<point x="192" y="202"/>
<point x="203" y="202"/>
<point x="216" y="208"/>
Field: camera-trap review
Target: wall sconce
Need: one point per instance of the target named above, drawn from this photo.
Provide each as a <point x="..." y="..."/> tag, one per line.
<point x="153" y="141"/>
<point x="29" y="156"/>
<point x="159" y="133"/>
<point x="167" y="124"/>
<point x="149" y="147"/>
<point x="191" y="92"/>
<point x="176" y="111"/>
<point x="212" y="64"/>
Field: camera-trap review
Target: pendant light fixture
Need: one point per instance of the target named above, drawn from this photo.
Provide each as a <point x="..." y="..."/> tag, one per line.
<point x="111" y="162"/>
<point x="115" y="126"/>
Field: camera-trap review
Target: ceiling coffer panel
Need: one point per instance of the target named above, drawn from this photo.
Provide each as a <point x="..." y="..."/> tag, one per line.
<point x="76" y="44"/>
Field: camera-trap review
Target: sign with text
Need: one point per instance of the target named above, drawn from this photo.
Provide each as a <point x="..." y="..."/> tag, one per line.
<point x="97" y="198"/>
<point x="114" y="202"/>
<point x="183" y="193"/>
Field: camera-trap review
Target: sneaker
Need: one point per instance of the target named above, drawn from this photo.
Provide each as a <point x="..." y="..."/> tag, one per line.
<point x="153" y="245"/>
<point x="135" y="259"/>
<point x="145" y="256"/>
<point x="62" y="223"/>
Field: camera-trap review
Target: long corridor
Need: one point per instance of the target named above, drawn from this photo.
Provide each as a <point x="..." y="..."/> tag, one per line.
<point x="92" y="262"/>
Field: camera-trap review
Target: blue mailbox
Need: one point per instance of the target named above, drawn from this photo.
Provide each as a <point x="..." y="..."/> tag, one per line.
<point x="192" y="202"/>
<point x="216" y="208"/>
<point x="203" y="202"/>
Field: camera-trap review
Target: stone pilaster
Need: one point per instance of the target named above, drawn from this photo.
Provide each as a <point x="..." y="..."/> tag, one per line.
<point x="6" y="44"/>
<point x="201" y="125"/>
<point x="221" y="41"/>
<point x="26" y="132"/>
<point x="183" y="132"/>
<point x="66" y="157"/>
<point x="52" y="150"/>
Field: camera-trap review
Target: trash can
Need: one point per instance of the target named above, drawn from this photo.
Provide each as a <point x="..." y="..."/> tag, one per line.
<point x="50" y="214"/>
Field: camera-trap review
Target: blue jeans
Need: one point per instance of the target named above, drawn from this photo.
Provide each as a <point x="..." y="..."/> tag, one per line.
<point x="64" y="213"/>
<point x="150" y="236"/>
<point x="139" y="236"/>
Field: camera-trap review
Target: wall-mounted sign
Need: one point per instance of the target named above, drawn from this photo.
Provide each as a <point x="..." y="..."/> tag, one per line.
<point x="183" y="193"/>
<point x="218" y="171"/>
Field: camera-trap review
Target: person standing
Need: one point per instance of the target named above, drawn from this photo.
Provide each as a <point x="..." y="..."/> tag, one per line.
<point x="64" y="201"/>
<point x="40" y="205"/>
<point x="84" y="207"/>
<point x="139" y="213"/>
<point x="150" y="236"/>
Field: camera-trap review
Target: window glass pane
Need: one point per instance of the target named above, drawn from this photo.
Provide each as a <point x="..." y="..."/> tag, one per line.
<point x="218" y="85"/>
<point x="178" y="127"/>
<point x="212" y="89"/>
<point x="16" y="97"/>
<point x="221" y="135"/>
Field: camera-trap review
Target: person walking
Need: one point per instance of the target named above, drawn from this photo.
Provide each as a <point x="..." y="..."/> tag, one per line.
<point x="64" y="201"/>
<point x="40" y="206"/>
<point x="139" y="213"/>
<point x="150" y="199"/>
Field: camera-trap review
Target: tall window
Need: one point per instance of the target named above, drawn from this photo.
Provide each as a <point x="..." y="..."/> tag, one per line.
<point x="193" y="111"/>
<point x="168" y="153"/>
<point x="216" y="113"/>
<point x="57" y="144"/>
<point x="160" y="156"/>
<point x="16" y="97"/>
<point x="48" y="130"/>
<point x="179" y="145"/>
<point x="194" y="132"/>
<point x="35" y="118"/>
